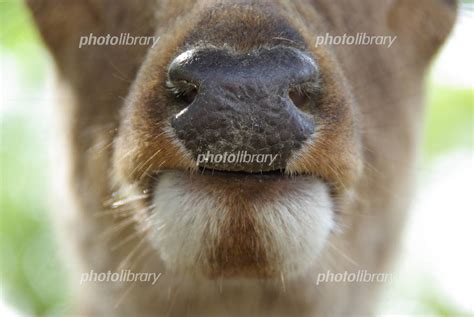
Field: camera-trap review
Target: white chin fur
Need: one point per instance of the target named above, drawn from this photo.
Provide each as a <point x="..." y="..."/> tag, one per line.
<point x="186" y="224"/>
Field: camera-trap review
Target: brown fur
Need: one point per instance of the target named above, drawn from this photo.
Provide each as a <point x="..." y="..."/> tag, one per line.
<point x="370" y="114"/>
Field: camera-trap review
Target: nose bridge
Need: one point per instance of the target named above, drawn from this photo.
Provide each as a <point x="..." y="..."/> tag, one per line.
<point x="278" y="66"/>
<point x="247" y="79"/>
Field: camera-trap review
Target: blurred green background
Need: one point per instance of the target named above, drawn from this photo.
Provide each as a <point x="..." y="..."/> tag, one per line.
<point x="31" y="275"/>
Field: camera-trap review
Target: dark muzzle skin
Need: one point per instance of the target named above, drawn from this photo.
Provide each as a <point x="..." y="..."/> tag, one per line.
<point x="241" y="104"/>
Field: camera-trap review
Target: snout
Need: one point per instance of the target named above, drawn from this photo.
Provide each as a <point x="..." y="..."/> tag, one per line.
<point x="242" y="104"/>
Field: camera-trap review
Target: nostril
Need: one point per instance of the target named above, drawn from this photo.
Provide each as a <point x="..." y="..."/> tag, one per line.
<point x="183" y="91"/>
<point x="188" y="95"/>
<point x="183" y="82"/>
<point x="299" y="97"/>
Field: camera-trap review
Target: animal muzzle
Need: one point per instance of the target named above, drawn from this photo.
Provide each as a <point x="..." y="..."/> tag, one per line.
<point x="239" y="105"/>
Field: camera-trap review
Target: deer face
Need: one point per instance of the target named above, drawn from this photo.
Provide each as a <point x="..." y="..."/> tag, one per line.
<point x="257" y="151"/>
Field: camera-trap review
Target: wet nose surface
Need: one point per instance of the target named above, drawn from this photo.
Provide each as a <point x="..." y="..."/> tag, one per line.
<point x="242" y="107"/>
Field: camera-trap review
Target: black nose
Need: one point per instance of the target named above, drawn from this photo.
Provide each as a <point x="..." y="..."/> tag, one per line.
<point x="240" y="116"/>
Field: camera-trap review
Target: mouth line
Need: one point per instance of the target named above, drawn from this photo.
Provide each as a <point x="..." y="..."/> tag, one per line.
<point x="275" y="174"/>
<point x="219" y="177"/>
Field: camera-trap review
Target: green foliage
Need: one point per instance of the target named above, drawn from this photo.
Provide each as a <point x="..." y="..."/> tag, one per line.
<point x="30" y="272"/>
<point x="19" y="38"/>
<point x="450" y="119"/>
<point x="16" y="29"/>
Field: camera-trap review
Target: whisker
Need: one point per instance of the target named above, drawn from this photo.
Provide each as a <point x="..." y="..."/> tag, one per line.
<point x="353" y="262"/>
<point x="130" y="255"/>
<point x="117" y="228"/>
<point x="130" y="237"/>
<point x="115" y="211"/>
<point x="128" y="200"/>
